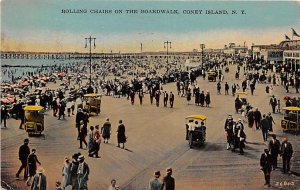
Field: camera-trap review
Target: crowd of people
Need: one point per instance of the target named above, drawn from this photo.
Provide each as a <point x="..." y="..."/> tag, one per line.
<point x="70" y="98"/>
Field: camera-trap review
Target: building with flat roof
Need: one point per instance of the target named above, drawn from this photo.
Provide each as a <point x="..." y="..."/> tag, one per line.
<point x="291" y="53"/>
<point x="233" y="49"/>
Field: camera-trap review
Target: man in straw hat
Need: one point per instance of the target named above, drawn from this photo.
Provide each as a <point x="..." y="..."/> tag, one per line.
<point x="155" y="183"/>
<point x="82" y="173"/>
<point x="39" y="180"/>
<point x="74" y="168"/>
<point x="168" y="180"/>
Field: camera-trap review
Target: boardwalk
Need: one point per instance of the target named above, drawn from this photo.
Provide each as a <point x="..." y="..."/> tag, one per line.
<point x="156" y="140"/>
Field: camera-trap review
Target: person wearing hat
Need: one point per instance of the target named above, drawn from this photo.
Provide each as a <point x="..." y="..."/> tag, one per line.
<point x="114" y="185"/>
<point x="229" y="131"/>
<point x="207" y="99"/>
<point x="273" y="103"/>
<point x="66" y="172"/>
<point x="61" y="109"/>
<point x="74" y="168"/>
<point x="270" y="121"/>
<point x="54" y="107"/>
<point x="106" y="130"/>
<point x="82" y="173"/>
<point x="155" y="183"/>
<point x="202" y="98"/>
<point x="24" y="151"/>
<point x="286" y="153"/>
<point x="79" y="118"/>
<point x="97" y="141"/>
<point x="82" y="136"/>
<point x="68" y="106"/>
<point x="264" y="127"/>
<point x="121" y="134"/>
<point x="274" y="148"/>
<point x="266" y="166"/>
<point x="241" y="137"/>
<point x="168" y="180"/>
<point x="171" y="100"/>
<point x="39" y="180"/>
<point x="58" y="186"/>
<point x="236" y="134"/>
<point x="31" y="162"/>
<point x="257" y="118"/>
<point x="91" y="142"/>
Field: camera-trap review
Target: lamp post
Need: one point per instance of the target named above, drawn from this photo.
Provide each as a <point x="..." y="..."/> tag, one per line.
<point x="89" y="40"/>
<point x="202" y="46"/>
<point x="167" y="42"/>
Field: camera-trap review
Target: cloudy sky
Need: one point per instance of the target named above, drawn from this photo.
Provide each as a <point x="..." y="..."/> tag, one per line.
<point x="40" y="25"/>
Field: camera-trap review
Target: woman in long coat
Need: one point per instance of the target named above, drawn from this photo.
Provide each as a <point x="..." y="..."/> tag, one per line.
<point x="250" y="119"/>
<point x="66" y="173"/>
<point x="91" y="146"/>
<point x="121" y="134"/>
<point x="207" y="99"/>
<point x="197" y="98"/>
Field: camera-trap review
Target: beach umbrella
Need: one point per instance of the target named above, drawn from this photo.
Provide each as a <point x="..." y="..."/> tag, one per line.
<point x="11" y="99"/>
<point x="5" y="101"/>
<point x="25" y="83"/>
<point x="61" y="74"/>
<point x="5" y="87"/>
<point x="45" y="78"/>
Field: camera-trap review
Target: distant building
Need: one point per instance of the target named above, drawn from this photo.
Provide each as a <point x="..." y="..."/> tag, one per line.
<point x="232" y="49"/>
<point x="286" y="52"/>
<point x="291" y="53"/>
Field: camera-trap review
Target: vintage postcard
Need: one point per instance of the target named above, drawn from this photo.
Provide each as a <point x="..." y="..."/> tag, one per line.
<point x="136" y="95"/>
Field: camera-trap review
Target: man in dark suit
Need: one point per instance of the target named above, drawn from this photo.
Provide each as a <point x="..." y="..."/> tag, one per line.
<point x="264" y="127"/>
<point x="24" y="151"/>
<point x="171" y="99"/>
<point x="79" y="117"/>
<point x="266" y="166"/>
<point x="257" y="118"/>
<point x="157" y="96"/>
<point x="274" y="148"/>
<point x="169" y="181"/>
<point x="286" y="153"/>
<point x="141" y="96"/>
<point x="166" y="97"/>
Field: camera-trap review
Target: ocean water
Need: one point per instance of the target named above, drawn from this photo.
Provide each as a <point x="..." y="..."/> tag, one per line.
<point x="8" y="72"/>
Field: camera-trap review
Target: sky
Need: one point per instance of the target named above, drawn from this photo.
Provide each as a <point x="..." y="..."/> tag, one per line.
<point x="40" y="25"/>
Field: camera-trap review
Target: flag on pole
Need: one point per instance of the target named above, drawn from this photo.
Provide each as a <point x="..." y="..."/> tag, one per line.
<point x="295" y="33"/>
<point x="287" y="38"/>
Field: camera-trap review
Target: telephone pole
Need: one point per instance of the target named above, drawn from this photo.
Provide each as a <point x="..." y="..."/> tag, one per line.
<point x="202" y="46"/>
<point x="89" y="40"/>
<point x="167" y="42"/>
